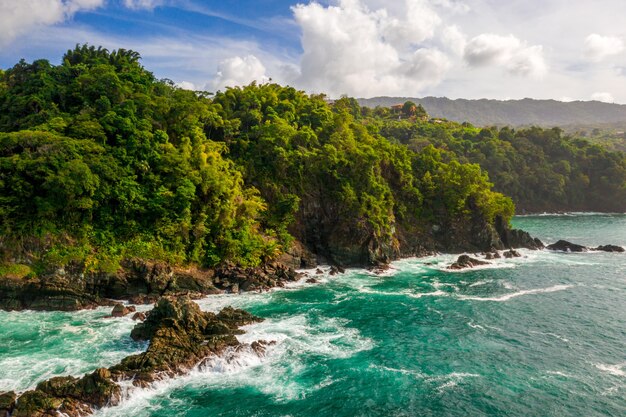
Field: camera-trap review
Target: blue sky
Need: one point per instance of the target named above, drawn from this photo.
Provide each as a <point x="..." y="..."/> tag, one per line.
<point x="559" y="49"/>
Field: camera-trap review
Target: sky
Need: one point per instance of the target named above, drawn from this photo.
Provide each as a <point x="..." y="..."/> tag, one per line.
<point x="498" y="49"/>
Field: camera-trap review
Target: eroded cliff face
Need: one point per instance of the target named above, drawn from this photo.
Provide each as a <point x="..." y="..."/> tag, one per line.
<point x="73" y="288"/>
<point x="338" y="238"/>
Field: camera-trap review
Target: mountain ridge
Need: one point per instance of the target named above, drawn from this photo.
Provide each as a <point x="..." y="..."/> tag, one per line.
<point x="524" y="112"/>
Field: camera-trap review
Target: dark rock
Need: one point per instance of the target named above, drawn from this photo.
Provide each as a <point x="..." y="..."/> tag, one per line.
<point x="610" y="248"/>
<point x="565" y="246"/>
<point x="298" y="256"/>
<point x="120" y="310"/>
<point x="233" y="278"/>
<point x="7" y="403"/>
<point x="54" y="292"/>
<point x="489" y="256"/>
<point x="311" y="281"/>
<point x="515" y="238"/>
<point x="181" y="336"/>
<point x="465" y="261"/>
<point x="336" y="269"/>
<point x="139" y="316"/>
<point x="512" y="253"/>
<point x="143" y="299"/>
<point x="319" y="271"/>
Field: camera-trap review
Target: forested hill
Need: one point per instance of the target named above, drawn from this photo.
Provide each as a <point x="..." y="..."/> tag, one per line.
<point x="546" y="113"/>
<point x="101" y="162"/>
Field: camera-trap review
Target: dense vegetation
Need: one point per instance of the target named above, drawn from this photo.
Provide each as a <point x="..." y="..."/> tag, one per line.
<point x="99" y="161"/>
<point x="541" y="169"/>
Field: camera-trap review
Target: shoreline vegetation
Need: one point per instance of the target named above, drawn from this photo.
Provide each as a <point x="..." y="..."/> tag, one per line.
<point x="116" y="185"/>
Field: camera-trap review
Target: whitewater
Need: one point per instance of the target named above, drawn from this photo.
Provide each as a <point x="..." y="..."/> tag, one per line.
<point x="543" y="334"/>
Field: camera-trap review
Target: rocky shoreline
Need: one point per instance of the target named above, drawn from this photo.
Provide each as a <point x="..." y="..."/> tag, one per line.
<point x="140" y="282"/>
<point x="180" y="336"/>
<point x="72" y="287"/>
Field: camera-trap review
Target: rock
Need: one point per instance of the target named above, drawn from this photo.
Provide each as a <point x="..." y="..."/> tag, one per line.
<point x="234" y="279"/>
<point x="319" y="272"/>
<point x="120" y="310"/>
<point x="50" y="292"/>
<point x="143" y="299"/>
<point x="298" y="256"/>
<point x="311" y="281"/>
<point x="336" y="269"/>
<point x="512" y="253"/>
<point x="260" y="346"/>
<point x="565" y="246"/>
<point x="465" y="261"/>
<point x="610" y="248"/>
<point x="181" y="336"/>
<point x="139" y="316"/>
<point x="489" y="256"/>
<point x="514" y="238"/>
<point x="496" y="255"/>
<point x="7" y="403"/>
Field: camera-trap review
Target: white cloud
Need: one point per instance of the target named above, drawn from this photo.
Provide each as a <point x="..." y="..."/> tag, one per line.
<point x="453" y="5"/>
<point x="20" y="17"/>
<point x="186" y="85"/>
<point x="454" y="39"/>
<point x="603" y="96"/>
<point x="416" y="23"/>
<point x="238" y="71"/>
<point x="352" y="49"/>
<point x="514" y="55"/>
<point x="142" y="4"/>
<point x="598" y="47"/>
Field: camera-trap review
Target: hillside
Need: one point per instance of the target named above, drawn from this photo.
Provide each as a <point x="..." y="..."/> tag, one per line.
<point x="546" y="113"/>
<point x="100" y="163"/>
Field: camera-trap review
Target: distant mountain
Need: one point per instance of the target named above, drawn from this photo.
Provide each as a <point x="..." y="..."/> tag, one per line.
<point x="546" y="113"/>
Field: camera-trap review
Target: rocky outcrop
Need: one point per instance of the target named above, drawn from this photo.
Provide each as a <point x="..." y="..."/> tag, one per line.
<point x="120" y="310"/>
<point x="565" y="246"/>
<point x="466" y="261"/>
<point x="140" y="282"/>
<point x="511" y="253"/>
<point x="233" y="279"/>
<point x="515" y="238"/>
<point x="181" y="336"/>
<point x="61" y="292"/>
<point x="298" y="257"/>
<point x="610" y="248"/>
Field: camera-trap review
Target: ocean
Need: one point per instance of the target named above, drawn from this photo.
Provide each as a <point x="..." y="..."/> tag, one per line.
<point x="540" y="335"/>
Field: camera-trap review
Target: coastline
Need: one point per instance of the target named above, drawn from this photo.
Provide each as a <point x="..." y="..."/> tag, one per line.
<point x="249" y="355"/>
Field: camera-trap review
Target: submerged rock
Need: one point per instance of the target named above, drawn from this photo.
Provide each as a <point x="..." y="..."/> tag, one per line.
<point x="181" y="336"/>
<point x="512" y="253"/>
<point x="465" y="261"/>
<point x="565" y="246"/>
<point x="139" y="316"/>
<point x="610" y="248"/>
<point x="336" y="269"/>
<point x="120" y="310"/>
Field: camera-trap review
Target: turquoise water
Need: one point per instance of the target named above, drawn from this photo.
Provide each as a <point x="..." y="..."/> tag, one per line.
<point x="543" y="335"/>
